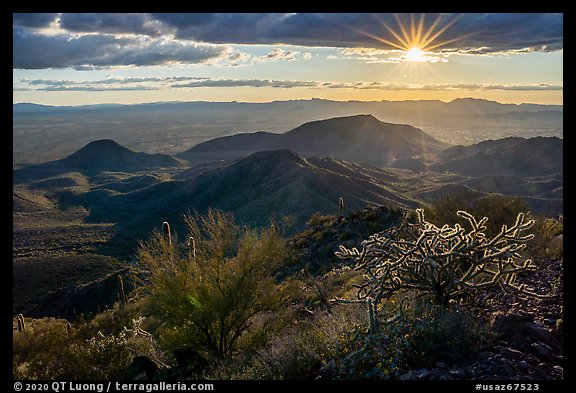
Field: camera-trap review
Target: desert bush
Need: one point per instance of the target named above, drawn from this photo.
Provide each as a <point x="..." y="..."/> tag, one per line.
<point x="338" y="344"/>
<point x="318" y="291"/>
<point x="213" y="292"/>
<point x="548" y="242"/>
<point x="300" y="350"/>
<point x="437" y="334"/>
<point x="501" y="209"/>
<point x="422" y="335"/>
<point x="320" y="220"/>
<point x="446" y="262"/>
<point x="52" y="349"/>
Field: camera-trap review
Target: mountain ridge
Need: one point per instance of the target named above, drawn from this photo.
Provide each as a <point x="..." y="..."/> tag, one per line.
<point x="351" y="138"/>
<point x="507" y="156"/>
<point x="30" y="106"/>
<point x="272" y="183"/>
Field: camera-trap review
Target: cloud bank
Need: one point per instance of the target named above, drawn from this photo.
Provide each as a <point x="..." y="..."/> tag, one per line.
<point x="184" y="82"/>
<point x="83" y="40"/>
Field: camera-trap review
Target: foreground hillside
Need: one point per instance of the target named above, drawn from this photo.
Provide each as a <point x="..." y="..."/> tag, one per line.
<point x="296" y="331"/>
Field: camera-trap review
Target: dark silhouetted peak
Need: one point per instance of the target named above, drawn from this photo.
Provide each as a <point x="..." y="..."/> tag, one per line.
<point x="357" y="138"/>
<point x="354" y="121"/>
<point x="106" y="154"/>
<point x="103" y="146"/>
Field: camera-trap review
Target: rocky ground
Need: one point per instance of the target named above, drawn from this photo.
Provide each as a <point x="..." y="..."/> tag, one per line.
<point x="528" y="335"/>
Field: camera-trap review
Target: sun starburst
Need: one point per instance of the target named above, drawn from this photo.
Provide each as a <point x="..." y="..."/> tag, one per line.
<point x="413" y="37"/>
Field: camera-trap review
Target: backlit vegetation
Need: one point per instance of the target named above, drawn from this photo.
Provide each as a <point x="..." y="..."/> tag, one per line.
<point x="225" y="301"/>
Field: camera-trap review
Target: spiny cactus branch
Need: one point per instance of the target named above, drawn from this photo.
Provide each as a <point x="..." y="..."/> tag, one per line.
<point x="445" y="261"/>
<point x="137" y="330"/>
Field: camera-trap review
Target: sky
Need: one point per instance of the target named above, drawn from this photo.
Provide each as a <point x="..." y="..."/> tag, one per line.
<point x="95" y="58"/>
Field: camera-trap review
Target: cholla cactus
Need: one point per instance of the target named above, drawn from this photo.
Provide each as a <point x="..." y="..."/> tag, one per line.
<point x="166" y="232"/>
<point x="341" y="206"/>
<point x="447" y="262"/>
<point x="21" y="323"/>
<point x="137" y="330"/>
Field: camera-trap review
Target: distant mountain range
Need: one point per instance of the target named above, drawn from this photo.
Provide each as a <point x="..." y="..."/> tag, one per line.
<point x="469" y="105"/>
<point x="465" y="112"/>
<point x="353" y="138"/>
<point x="44" y="133"/>
<point x="299" y="173"/>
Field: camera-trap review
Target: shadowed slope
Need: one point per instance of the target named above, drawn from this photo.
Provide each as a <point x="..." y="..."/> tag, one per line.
<point x="263" y="185"/>
<point x="508" y="156"/>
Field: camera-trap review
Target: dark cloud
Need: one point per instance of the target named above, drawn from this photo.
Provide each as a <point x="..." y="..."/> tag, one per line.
<point x="33" y="19"/>
<point x="36" y="51"/>
<point x="185" y="21"/>
<point x="247" y="28"/>
<point x="150" y="39"/>
<point x="111" y="23"/>
<point x="489" y="32"/>
<point x="485" y="33"/>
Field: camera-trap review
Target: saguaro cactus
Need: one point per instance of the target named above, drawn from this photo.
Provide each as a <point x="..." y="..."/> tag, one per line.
<point x="122" y="295"/>
<point x="192" y="247"/>
<point x="21" y="323"/>
<point x="341" y="206"/>
<point x="166" y="232"/>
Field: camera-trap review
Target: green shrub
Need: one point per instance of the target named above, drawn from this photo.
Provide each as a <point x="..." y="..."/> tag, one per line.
<point x="208" y="298"/>
<point x="548" y="239"/>
<point x="421" y="336"/>
<point x="319" y="220"/>
<point x="437" y="334"/>
<point x="300" y="350"/>
<point x="500" y="208"/>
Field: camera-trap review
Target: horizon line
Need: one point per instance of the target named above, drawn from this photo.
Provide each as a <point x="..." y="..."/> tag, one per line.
<point x="277" y="101"/>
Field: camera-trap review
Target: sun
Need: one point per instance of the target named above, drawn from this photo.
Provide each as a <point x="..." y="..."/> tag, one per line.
<point x="415" y="54"/>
